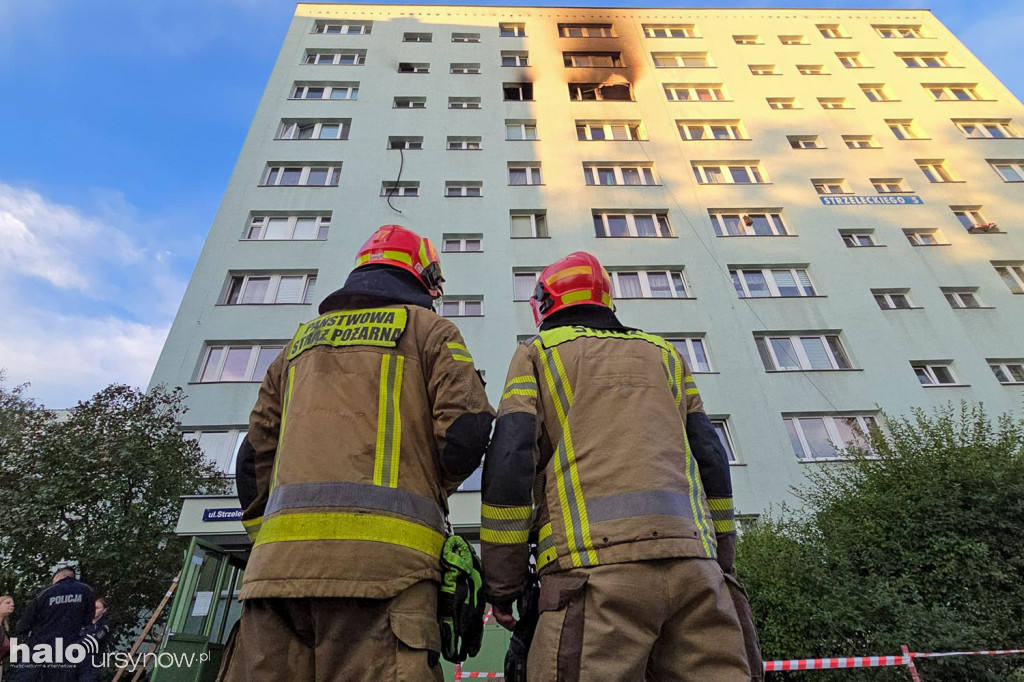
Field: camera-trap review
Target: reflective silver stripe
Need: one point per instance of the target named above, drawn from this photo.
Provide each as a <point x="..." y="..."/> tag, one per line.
<point x="639" y="503"/>
<point x="546" y="544"/>
<point x="722" y="515"/>
<point x="360" y="495"/>
<point x="506" y="524"/>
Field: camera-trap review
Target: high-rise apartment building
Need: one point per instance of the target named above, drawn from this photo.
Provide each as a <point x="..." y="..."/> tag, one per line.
<point x="820" y="208"/>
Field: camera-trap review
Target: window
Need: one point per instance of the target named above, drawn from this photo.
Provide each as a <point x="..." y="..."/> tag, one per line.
<point x="238" y="363"/>
<point x="934" y="373"/>
<point x="935" y="170"/>
<point x="670" y="31"/>
<point x="990" y="128"/>
<point x="610" y="130"/>
<point x="1012" y="275"/>
<point x="961" y="299"/>
<point x="730" y="173"/>
<point x="946" y="93"/>
<point x="592" y="59"/>
<point x="407" y="143"/>
<point x="1009" y="171"/>
<point x="695" y="92"/>
<point x="919" y="237"/>
<point x="509" y="58"/>
<point x="619" y="174"/>
<point x="793" y="40"/>
<point x="904" y="129"/>
<point x="284" y="227"/>
<point x="475" y="481"/>
<point x="648" y="284"/>
<point x="406" y="188"/>
<point x="314" y="129"/>
<point x="348" y="28"/>
<point x="805" y="142"/>
<point x="302" y="176"/>
<point x="802" y="352"/>
<point x="858" y="239"/>
<point x="851" y="60"/>
<point x="747" y="40"/>
<point x="464" y="68"/>
<point x="520" y="129"/>
<point x="219" y="446"/>
<point x="631" y="224"/>
<point x="1007" y="371"/>
<point x="721" y="427"/>
<point x="812" y="69"/>
<point x="861" y="142"/>
<point x="417" y="37"/>
<point x="681" y="59"/>
<point x="517" y="91"/>
<point x="763" y="70"/>
<point x="755" y="223"/>
<point x="524" y="174"/>
<point x="783" y="103"/>
<point x="822" y="437"/>
<point x="463" y="188"/>
<point x="892" y="299"/>
<point x="471" y="143"/>
<point x="771" y="283"/>
<point x="523" y="284"/>
<point x="621" y="92"/>
<point x="831" y="31"/>
<point x="462" y="243"/>
<point x="972" y="219"/>
<point x="413" y="67"/>
<point x="586" y="31"/>
<point x="693" y="350"/>
<point x="890" y="186"/>
<point x="875" y="92"/>
<point x="336" y="57"/>
<point x="270" y="289"/>
<point x="467" y="306"/>
<point x="833" y="103"/>
<point x="463" y="102"/>
<point x="925" y="60"/>
<point x="528" y="224"/>
<point x="410" y="103"/>
<point x="899" y="31"/>
<point x="465" y="37"/>
<point x="717" y="129"/>
<point x="510" y="30"/>
<point x="325" y="90"/>
<point x="831" y="186"/>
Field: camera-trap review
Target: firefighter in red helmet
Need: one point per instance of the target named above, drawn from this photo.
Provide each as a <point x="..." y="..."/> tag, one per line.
<point x="365" y="423"/>
<point x="604" y="460"/>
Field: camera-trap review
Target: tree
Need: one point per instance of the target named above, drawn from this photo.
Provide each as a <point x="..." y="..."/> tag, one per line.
<point x="915" y="541"/>
<point x="99" y="485"/>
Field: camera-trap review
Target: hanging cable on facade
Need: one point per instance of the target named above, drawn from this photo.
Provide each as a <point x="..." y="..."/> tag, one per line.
<point x="391" y="191"/>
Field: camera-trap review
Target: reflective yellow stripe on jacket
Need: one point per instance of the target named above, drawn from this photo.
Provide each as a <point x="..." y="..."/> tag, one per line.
<point x="389" y="421"/>
<point x="505" y="525"/>
<point x="567" y="480"/>
<point x="521" y="385"/>
<point x="347" y="526"/>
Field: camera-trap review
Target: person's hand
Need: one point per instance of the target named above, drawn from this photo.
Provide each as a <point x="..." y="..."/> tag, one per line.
<point x="503" y="615"/>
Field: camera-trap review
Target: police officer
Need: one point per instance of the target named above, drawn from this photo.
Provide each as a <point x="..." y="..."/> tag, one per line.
<point x="602" y="455"/>
<point x="57" y="613"/>
<point x="364" y="424"/>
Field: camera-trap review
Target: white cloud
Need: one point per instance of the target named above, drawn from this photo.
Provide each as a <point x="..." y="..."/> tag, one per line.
<point x="68" y="358"/>
<point x="86" y="302"/>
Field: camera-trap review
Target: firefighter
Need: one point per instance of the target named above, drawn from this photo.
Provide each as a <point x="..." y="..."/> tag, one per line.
<point x="602" y="455"/>
<point x="364" y="424"/>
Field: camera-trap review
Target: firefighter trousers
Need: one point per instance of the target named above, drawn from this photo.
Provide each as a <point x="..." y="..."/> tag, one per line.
<point x="340" y="639"/>
<point x="666" y="620"/>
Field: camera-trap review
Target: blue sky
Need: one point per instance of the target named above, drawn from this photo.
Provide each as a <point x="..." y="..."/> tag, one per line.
<point x="123" y="120"/>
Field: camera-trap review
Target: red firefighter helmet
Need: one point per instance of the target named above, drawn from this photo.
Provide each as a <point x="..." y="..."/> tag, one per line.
<point x="577" y="279"/>
<point x="401" y="248"/>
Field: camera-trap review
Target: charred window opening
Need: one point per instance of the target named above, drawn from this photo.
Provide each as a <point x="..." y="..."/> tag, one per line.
<point x="622" y="92"/>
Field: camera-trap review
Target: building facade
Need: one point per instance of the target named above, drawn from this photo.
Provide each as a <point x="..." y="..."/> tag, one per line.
<point x="819" y="207"/>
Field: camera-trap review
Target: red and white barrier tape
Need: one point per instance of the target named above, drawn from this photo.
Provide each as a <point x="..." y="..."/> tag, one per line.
<point x="873" y="661"/>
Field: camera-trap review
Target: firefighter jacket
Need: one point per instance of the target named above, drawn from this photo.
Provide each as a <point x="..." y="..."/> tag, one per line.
<point x="601" y="454"/>
<point x="364" y="423"/>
